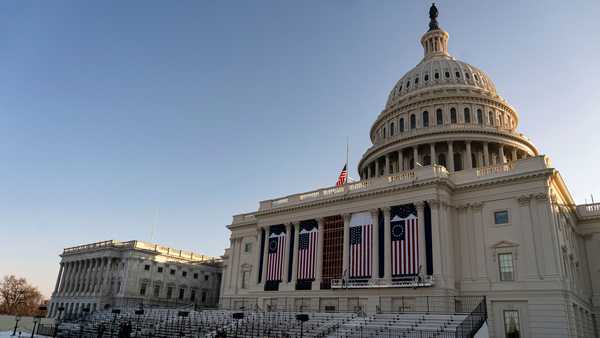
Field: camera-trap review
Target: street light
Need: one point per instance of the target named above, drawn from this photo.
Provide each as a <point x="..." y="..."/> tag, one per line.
<point x="138" y="313"/>
<point x="181" y="314"/>
<point x="17" y="319"/>
<point x="36" y="322"/>
<point x="60" y="311"/>
<point x="115" y="313"/>
<point x="302" y="317"/>
<point x="237" y="316"/>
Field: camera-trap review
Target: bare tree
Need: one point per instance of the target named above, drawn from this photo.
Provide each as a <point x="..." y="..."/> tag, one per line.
<point x="17" y="297"/>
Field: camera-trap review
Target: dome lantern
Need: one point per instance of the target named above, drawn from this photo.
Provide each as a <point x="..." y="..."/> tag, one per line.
<point x="435" y="41"/>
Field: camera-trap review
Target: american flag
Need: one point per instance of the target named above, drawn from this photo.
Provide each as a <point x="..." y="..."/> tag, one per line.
<point x="361" y="240"/>
<point x="307" y="246"/>
<point x="276" y="256"/>
<point x="343" y="176"/>
<point x="405" y="242"/>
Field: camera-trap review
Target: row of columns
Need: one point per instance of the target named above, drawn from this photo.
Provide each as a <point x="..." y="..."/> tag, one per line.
<point x="483" y="158"/>
<point x="83" y="277"/>
<point x="346" y="247"/>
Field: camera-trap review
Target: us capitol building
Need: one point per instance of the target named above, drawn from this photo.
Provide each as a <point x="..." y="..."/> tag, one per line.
<point x="452" y="201"/>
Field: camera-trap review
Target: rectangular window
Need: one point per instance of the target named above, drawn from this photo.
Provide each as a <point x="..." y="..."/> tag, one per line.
<point x="203" y="296"/>
<point x="172" y="271"/>
<point x="160" y="269"/>
<point x="156" y="291"/>
<point x="247" y="247"/>
<point x="169" y="292"/>
<point x="511" y="324"/>
<point x="505" y="262"/>
<point x="181" y="293"/>
<point x="501" y="217"/>
<point x="195" y="275"/>
<point x="244" y="279"/>
<point x="143" y="289"/>
<point x="147" y="267"/>
<point x="206" y="277"/>
<point x="184" y="273"/>
<point x="193" y="295"/>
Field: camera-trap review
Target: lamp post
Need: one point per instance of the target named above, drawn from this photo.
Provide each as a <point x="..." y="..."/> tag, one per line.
<point x="36" y="322"/>
<point x="17" y="319"/>
<point x="181" y="314"/>
<point x="138" y="313"/>
<point x="85" y="311"/>
<point x="302" y="317"/>
<point x="60" y="311"/>
<point x="237" y="316"/>
<point x="115" y="313"/>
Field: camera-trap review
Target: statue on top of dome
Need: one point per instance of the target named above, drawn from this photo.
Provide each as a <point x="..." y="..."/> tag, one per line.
<point x="433" y="14"/>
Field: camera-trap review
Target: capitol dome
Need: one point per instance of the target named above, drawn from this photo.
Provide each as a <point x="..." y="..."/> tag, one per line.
<point x="443" y="112"/>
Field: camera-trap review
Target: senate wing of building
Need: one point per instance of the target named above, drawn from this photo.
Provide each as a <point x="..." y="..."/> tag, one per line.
<point x="452" y="201"/>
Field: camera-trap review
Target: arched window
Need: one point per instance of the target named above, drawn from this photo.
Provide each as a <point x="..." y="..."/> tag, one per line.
<point x="491" y="118"/>
<point x="384" y="134"/>
<point x="439" y="116"/>
<point x="413" y="121"/>
<point x="467" y="76"/>
<point x="441" y="160"/>
<point x="437" y="75"/>
<point x="425" y="119"/>
<point x="467" y="115"/>
<point x="426" y="77"/>
<point x="407" y="84"/>
<point x="401" y="125"/>
<point x="416" y="81"/>
<point x="452" y="115"/>
<point x="392" y="129"/>
<point x="479" y="116"/>
<point x="447" y="75"/>
<point x="457" y="75"/>
<point x="458" y="162"/>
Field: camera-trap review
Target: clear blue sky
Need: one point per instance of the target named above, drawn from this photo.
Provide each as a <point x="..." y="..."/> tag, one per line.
<point x="114" y="112"/>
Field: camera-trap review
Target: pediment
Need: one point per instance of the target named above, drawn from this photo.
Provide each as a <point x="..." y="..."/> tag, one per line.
<point x="504" y="244"/>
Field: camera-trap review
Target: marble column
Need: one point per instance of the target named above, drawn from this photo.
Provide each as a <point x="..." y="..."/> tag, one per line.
<point x="60" y="272"/>
<point x="107" y="275"/>
<point x="479" y="159"/>
<point x="435" y="237"/>
<point x="450" y="159"/>
<point x="319" y="258"/>
<point x="386" y="170"/>
<point x="375" y="246"/>
<point x="64" y="278"/>
<point x="501" y="154"/>
<point x="486" y="154"/>
<point x="265" y="255"/>
<point x="387" y="245"/>
<point x="468" y="160"/>
<point x="295" y="253"/>
<point x="415" y="156"/>
<point x="256" y="260"/>
<point x="421" y="224"/>
<point x="377" y="167"/>
<point x="400" y="160"/>
<point x="286" y="254"/>
<point x="346" y="246"/>
<point x="432" y="154"/>
<point x="514" y="154"/>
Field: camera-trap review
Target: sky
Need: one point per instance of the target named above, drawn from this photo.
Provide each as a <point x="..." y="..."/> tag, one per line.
<point x="120" y="117"/>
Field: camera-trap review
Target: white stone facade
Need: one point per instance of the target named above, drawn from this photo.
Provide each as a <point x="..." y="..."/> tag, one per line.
<point x="497" y="219"/>
<point x="112" y="274"/>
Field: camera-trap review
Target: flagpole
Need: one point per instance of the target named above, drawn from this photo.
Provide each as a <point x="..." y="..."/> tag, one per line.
<point x="347" y="167"/>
